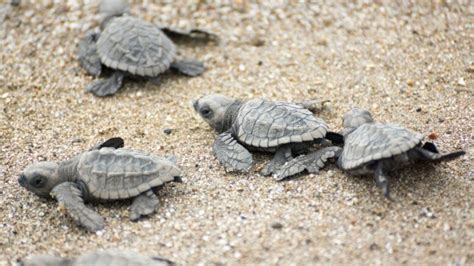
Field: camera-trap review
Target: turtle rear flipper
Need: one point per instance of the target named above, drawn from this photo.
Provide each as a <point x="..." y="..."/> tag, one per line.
<point x="70" y="196"/>
<point x="106" y="87"/>
<point x="87" y="54"/>
<point x="231" y="154"/>
<point x="190" y="68"/>
<point x="311" y="162"/>
<point x="437" y="157"/>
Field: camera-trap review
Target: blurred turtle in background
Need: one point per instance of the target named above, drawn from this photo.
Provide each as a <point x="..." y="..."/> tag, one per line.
<point x="97" y="258"/>
<point x="130" y="46"/>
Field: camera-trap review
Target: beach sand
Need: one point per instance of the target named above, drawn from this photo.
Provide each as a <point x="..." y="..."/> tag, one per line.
<point x="408" y="62"/>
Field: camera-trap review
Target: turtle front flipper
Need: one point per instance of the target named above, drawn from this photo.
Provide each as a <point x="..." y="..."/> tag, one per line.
<point x="70" y="196"/>
<point x="312" y="162"/>
<point x="282" y="155"/>
<point x="381" y="179"/>
<point x="190" y="68"/>
<point x="231" y="154"/>
<point x="426" y="154"/>
<point x="87" y="54"/>
<point x="192" y="34"/>
<point x="143" y="204"/>
<point x="106" y="87"/>
<point x="116" y="143"/>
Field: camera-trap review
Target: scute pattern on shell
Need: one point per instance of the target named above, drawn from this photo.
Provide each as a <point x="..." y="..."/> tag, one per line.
<point x="120" y="173"/>
<point x="135" y="46"/>
<point x="264" y="124"/>
<point x="375" y="141"/>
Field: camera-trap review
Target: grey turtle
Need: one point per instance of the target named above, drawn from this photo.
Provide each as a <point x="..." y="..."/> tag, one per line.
<point x="107" y="172"/>
<point x="277" y="127"/>
<point x="132" y="47"/>
<point x="97" y="258"/>
<point x="376" y="148"/>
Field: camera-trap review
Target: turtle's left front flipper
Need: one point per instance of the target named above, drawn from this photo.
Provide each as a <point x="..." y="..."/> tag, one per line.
<point x="192" y="34"/>
<point x="311" y="162"/>
<point x="70" y="196"/>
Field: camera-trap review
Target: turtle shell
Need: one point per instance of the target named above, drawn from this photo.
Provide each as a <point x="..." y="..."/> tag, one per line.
<point x="135" y="46"/>
<point x="266" y="124"/>
<point x="118" y="258"/>
<point x="121" y="173"/>
<point x="375" y="141"/>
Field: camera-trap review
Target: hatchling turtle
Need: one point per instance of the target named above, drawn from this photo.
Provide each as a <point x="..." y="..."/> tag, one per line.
<point x="107" y="172"/>
<point x="130" y="46"/>
<point x="376" y="148"/>
<point x="277" y="127"/>
<point x="97" y="258"/>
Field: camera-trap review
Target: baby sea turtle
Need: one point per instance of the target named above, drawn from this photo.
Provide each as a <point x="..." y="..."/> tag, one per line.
<point x="107" y="172"/>
<point x="97" y="258"/>
<point x="278" y="127"/>
<point x="130" y="46"/>
<point x="376" y="148"/>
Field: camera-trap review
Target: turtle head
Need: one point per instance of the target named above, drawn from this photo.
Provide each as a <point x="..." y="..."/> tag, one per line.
<point x="113" y="8"/>
<point x="40" y="178"/>
<point x="212" y="108"/>
<point x="355" y="118"/>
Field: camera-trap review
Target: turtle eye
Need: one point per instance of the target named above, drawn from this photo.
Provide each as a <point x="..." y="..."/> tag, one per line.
<point x="38" y="181"/>
<point x="206" y="112"/>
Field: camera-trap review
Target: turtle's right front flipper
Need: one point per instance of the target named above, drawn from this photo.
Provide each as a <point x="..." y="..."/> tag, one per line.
<point x="231" y="154"/>
<point x="197" y="34"/>
<point x="311" y="162"/>
<point x="115" y="142"/>
<point x="106" y="87"/>
<point x="87" y="54"/>
<point x="70" y="196"/>
<point x="429" y="152"/>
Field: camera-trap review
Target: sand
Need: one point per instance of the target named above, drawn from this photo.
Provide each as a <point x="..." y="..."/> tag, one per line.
<point x="409" y="62"/>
